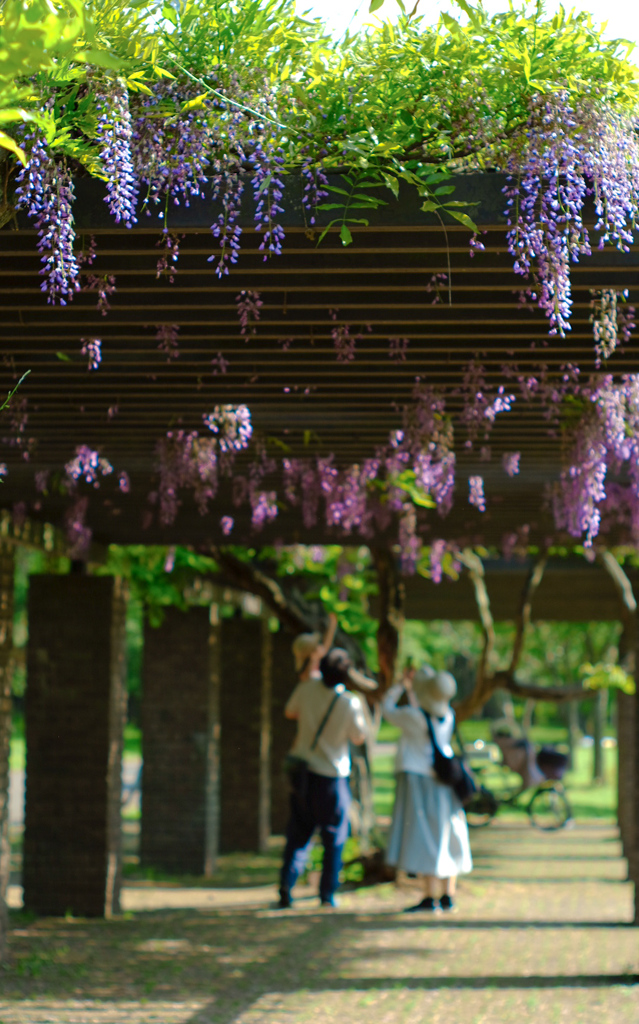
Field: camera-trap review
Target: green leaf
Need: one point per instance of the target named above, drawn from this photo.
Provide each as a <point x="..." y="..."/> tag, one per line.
<point x="6" y="142"/>
<point x="464" y="219"/>
<point x="63" y="357"/>
<point x="345" y="235"/>
<point x="375" y="6"/>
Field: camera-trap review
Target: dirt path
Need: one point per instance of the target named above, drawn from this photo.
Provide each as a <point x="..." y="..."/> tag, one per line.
<point x="542" y="933"/>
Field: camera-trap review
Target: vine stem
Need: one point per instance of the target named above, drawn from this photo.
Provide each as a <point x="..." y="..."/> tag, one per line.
<point x="227" y="99"/>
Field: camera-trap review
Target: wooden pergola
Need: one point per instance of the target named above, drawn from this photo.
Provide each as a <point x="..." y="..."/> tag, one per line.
<point x="383" y="286"/>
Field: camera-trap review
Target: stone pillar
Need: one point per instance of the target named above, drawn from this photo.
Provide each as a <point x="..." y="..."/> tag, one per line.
<point x="626" y="704"/>
<point x="75" y="711"/>
<point x="284" y="681"/>
<point x="180" y="732"/>
<point x="245" y="703"/>
<point x="6" y="645"/>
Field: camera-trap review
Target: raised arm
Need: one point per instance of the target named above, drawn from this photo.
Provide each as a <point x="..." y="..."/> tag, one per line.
<point x="329" y="635"/>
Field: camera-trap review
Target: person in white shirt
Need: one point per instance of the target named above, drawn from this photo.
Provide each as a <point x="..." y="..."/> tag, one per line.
<point x="328" y="719"/>
<point x="428" y="834"/>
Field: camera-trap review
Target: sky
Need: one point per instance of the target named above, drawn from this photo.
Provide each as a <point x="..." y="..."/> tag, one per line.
<point x="622" y="15"/>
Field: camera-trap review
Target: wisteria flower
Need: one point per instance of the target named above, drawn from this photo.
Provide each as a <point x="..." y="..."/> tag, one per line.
<point x="510" y="462"/>
<point x="476" y="492"/>
<point x="92" y="349"/>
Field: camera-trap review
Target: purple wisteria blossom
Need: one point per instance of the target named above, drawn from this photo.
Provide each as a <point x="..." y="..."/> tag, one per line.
<point x="612" y="322"/>
<point x="437" y="553"/>
<point x="87" y="465"/>
<point x="219" y="364"/>
<point x="476" y="492"/>
<point x="231" y="425"/>
<point x="249" y="307"/>
<point x="92" y="349"/>
<point x="315" y="187"/>
<point x="45" y="190"/>
<point x="167" y="337"/>
<point x="114" y="133"/>
<point x="268" y="189"/>
<point x="227" y="523"/>
<point x="510" y="462"/>
<point x="78" y="534"/>
<point x="263" y="507"/>
<point x="573" y="149"/>
<point x="397" y="348"/>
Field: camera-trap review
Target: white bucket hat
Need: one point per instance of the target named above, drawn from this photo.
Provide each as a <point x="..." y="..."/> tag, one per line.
<point x="303" y="646"/>
<point x="434" y="690"/>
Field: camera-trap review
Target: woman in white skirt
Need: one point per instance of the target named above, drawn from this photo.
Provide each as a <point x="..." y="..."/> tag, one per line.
<point x="428" y="834"/>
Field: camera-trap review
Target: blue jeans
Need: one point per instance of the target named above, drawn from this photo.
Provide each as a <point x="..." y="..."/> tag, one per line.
<point x="324" y="805"/>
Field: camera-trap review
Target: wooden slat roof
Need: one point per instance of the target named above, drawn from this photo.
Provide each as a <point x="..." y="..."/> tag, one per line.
<point x="295" y="388"/>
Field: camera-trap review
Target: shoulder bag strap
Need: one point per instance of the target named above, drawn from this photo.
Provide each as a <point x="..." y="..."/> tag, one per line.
<point x="325" y="719"/>
<point x="457" y="736"/>
<point x="432" y="732"/>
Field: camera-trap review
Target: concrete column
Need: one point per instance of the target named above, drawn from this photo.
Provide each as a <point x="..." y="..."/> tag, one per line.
<point x="74" y="710"/>
<point x="179" y="721"/>
<point x="284" y="681"/>
<point x="246" y="655"/>
<point x="7" y="566"/>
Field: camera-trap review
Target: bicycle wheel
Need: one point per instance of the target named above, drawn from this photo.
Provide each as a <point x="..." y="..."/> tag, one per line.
<point x="549" y="808"/>
<point x="481" y="810"/>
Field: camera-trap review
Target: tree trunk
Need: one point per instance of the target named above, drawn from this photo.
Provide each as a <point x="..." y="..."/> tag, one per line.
<point x="573" y="731"/>
<point x="599" y="720"/>
<point x="391" y="615"/>
<point x="628" y="723"/>
<point x="7" y="565"/>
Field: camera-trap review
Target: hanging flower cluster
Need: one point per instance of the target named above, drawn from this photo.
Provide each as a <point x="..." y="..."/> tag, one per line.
<point x="45" y="191"/>
<point x="167" y="337"/>
<point x="611" y="321"/>
<point x="92" y="349"/>
<point x="87" y="465"/>
<point x="604" y="444"/>
<point x="231" y="425"/>
<point x="114" y="134"/>
<point x="571" y="150"/>
<point x="187" y="461"/>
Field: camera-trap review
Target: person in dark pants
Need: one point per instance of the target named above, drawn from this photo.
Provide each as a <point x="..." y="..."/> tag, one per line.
<point x="328" y="718"/>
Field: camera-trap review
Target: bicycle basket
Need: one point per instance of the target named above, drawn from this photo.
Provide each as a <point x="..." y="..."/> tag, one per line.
<point x="552" y="762"/>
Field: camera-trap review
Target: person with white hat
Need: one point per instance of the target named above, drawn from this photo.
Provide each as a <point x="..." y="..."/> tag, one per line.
<point x="428" y="834"/>
<point x="310" y="648"/>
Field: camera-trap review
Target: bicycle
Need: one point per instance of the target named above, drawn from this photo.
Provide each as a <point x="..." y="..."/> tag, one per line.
<point x="548" y="808"/>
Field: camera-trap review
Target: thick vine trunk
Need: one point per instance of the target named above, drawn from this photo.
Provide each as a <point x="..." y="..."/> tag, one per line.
<point x="391" y="615"/>
<point x="293" y="612"/>
<point x="488" y="682"/>
<point x="6" y="647"/>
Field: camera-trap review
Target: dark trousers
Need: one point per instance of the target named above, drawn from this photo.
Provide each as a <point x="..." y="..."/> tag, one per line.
<point x="323" y="805"/>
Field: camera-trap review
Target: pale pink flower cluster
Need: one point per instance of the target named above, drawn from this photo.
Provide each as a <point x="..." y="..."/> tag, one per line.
<point x="87" y="465"/>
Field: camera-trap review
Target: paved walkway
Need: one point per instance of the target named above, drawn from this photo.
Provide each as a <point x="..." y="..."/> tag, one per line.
<point x="542" y="934"/>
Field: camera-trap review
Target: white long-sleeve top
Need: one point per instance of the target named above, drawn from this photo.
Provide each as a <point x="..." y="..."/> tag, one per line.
<point x="414" y="749"/>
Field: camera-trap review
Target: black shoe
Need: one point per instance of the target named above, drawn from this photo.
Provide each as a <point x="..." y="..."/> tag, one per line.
<point x="285" y="902"/>
<point x="428" y="904"/>
<point x="329" y="901"/>
<point x="447" y="903"/>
